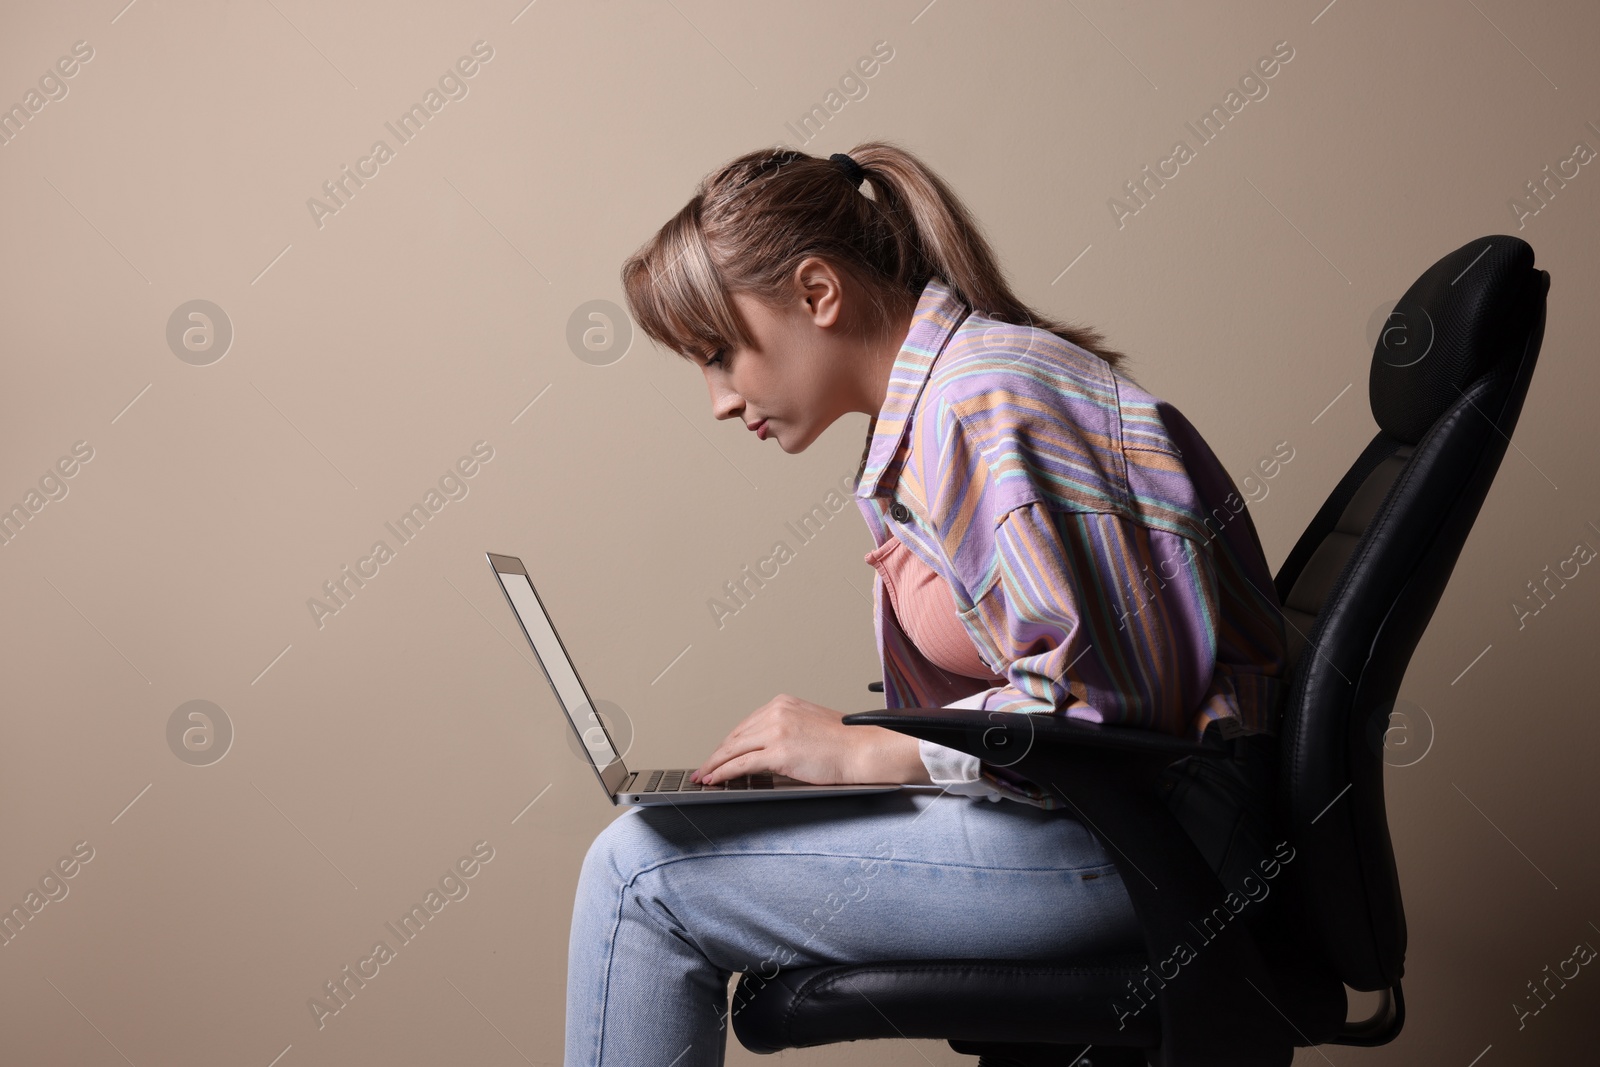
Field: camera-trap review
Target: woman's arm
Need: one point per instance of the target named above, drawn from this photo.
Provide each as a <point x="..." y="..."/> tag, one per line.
<point x="1101" y="618"/>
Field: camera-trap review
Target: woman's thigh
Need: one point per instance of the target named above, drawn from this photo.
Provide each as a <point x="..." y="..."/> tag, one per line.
<point x="907" y="875"/>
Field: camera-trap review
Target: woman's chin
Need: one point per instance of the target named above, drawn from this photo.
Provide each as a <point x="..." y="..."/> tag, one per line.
<point x="795" y="441"/>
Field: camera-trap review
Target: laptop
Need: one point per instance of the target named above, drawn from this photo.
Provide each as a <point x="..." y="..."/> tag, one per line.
<point x="644" y="788"/>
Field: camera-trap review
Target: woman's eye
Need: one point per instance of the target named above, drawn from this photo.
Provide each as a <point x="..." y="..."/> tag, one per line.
<point x="715" y="359"/>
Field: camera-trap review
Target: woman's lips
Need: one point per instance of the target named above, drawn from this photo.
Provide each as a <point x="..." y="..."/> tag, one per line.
<point x="761" y="430"/>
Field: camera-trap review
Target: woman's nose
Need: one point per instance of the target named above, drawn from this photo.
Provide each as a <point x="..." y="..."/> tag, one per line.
<point x="725" y="403"/>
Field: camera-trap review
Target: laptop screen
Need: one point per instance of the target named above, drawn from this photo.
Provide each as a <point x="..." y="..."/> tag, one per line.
<point x="562" y="676"/>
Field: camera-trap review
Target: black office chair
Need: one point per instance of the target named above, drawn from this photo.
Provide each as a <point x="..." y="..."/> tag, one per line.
<point x="1447" y="384"/>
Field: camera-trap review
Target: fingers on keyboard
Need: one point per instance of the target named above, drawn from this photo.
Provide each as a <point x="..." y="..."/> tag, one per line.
<point x="680" y="782"/>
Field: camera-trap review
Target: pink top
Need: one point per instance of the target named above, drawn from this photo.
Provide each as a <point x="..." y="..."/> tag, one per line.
<point x="922" y="604"/>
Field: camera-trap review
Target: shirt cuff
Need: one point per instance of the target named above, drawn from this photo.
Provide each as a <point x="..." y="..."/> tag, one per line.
<point x="958" y="772"/>
<point x="964" y="774"/>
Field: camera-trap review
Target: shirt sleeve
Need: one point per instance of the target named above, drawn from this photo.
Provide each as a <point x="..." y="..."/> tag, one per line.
<point x="958" y="772"/>
<point x="1100" y="618"/>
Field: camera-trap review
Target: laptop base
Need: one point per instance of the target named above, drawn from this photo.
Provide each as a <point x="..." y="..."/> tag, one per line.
<point x="656" y="788"/>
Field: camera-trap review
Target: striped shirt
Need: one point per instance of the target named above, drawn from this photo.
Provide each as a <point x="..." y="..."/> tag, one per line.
<point x="1096" y="551"/>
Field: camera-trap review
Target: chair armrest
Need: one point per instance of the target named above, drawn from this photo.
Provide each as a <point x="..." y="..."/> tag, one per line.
<point x="1219" y="1006"/>
<point x="1002" y="738"/>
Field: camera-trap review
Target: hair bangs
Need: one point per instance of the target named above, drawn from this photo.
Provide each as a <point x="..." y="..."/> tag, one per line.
<point x="677" y="295"/>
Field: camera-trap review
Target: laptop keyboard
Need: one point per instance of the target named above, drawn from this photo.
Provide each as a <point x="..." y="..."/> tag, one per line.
<point x="679" y="782"/>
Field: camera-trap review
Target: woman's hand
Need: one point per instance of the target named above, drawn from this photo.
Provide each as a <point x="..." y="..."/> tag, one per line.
<point x="808" y="742"/>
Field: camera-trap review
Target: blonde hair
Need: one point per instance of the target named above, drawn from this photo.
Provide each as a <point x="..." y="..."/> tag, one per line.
<point x="751" y="222"/>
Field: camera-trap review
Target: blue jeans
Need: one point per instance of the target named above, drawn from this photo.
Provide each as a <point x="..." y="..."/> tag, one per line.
<point x="672" y="901"/>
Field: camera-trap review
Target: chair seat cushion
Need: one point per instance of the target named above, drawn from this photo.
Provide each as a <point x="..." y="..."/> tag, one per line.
<point x="1010" y="1000"/>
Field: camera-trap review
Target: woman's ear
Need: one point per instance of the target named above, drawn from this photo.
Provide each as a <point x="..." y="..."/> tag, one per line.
<point x="823" y="290"/>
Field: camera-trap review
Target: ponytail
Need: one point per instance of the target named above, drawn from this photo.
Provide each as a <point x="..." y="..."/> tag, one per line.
<point x="752" y="221"/>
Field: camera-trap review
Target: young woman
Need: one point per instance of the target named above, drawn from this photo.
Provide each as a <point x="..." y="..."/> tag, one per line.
<point x="1050" y="539"/>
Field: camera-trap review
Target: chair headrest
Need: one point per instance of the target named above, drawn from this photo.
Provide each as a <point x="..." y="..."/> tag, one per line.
<point x="1446" y="331"/>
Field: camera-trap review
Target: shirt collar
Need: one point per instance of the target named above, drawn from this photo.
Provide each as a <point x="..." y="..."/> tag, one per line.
<point x="939" y="311"/>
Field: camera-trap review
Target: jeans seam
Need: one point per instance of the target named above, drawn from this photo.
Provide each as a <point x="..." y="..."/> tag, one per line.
<point x="605" y="983"/>
<point x="875" y="859"/>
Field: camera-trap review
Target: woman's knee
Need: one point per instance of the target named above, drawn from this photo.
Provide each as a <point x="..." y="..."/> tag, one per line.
<point x="626" y="847"/>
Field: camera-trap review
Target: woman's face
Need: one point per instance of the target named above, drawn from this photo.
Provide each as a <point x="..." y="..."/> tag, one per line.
<point x="803" y="369"/>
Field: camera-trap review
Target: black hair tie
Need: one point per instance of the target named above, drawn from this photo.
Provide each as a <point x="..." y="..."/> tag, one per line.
<point x="850" y="168"/>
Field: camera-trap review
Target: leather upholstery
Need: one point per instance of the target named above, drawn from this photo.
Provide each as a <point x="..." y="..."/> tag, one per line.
<point x="1013" y="1000"/>
<point x="1316" y="579"/>
<point x="1449" y="329"/>
<point x="1365" y="577"/>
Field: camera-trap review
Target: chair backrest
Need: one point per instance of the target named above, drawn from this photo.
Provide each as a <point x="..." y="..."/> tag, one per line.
<point x="1447" y="383"/>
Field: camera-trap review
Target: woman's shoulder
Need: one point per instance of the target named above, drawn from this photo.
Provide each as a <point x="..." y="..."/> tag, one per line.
<point x="984" y="354"/>
<point x="1017" y="379"/>
<point x="1056" y="423"/>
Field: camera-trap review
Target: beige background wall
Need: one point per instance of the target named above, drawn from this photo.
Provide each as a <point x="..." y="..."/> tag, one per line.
<point x="371" y="351"/>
